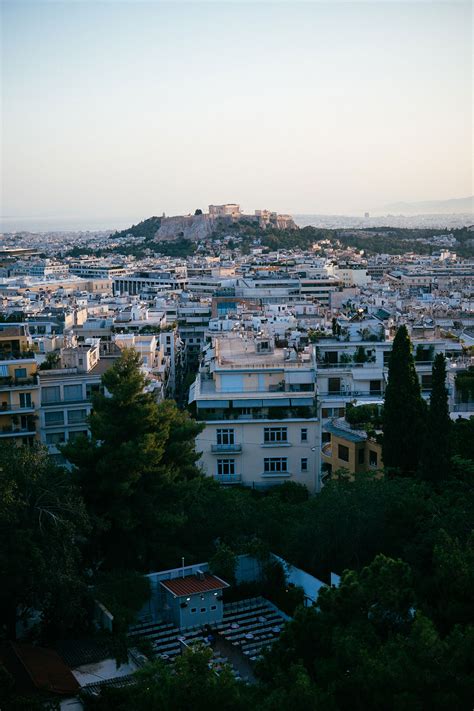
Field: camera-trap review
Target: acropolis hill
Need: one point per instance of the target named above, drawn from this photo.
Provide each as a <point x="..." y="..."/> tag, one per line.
<point x="201" y="225"/>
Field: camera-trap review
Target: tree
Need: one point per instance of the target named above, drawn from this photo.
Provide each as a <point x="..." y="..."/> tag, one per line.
<point x="404" y="409"/>
<point x="132" y="467"/>
<point x="367" y="646"/>
<point x="51" y="361"/>
<point x="42" y="525"/>
<point x="435" y="464"/>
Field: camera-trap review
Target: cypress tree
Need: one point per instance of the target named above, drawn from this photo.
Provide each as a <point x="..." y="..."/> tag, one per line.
<point x="404" y="409"/>
<point x="436" y="452"/>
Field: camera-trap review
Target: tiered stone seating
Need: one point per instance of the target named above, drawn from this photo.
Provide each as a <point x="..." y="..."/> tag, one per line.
<point x="255" y="617"/>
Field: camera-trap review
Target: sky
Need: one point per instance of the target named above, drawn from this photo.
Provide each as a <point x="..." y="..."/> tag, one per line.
<point x="126" y="109"/>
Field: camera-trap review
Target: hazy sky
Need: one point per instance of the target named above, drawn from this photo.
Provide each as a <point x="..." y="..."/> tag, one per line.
<point x="134" y="108"/>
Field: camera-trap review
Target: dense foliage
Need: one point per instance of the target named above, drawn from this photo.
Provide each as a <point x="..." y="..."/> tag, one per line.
<point x="398" y="632"/>
<point x="404" y="409"/>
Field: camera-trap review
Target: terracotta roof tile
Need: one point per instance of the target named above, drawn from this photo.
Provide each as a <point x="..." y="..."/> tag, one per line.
<point x="191" y="584"/>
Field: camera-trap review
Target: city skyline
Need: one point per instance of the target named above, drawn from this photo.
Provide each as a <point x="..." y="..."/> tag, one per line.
<point x="131" y="109"/>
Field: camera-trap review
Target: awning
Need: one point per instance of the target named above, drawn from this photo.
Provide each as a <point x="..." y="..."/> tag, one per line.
<point x="247" y="403"/>
<point x="277" y="402"/>
<point x="302" y="401"/>
<point x="367" y="374"/>
<point x="206" y="404"/>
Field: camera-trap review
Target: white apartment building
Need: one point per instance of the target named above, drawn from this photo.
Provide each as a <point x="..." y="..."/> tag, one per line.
<point x="258" y="403"/>
<point x="357" y="371"/>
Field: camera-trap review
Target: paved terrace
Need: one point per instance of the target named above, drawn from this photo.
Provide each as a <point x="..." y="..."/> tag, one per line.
<point x="240" y="353"/>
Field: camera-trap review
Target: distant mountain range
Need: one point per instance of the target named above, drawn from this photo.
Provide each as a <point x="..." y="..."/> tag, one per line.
<point x="432" y="207"/>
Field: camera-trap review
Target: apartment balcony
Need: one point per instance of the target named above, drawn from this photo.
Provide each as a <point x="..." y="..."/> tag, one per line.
<point x="463" y="407"/>
<point x="272" y="413"/>
<point x="65" y="403"/>
<point x="349" y="393"/>
<point x="11" y="431"/>
<point x="226" y="448"/>
<point x="228" y="478"/>
<point x="14" y="409"/>
<point x="18" y="384"/>
<point x="17" y="355"/>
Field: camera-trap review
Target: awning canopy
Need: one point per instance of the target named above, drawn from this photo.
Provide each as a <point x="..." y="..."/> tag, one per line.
<point x="367" y="374"/>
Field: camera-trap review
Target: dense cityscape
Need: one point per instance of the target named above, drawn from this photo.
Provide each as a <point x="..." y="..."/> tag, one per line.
<point x="236" y="355"/>
<point x="212" y="472"/>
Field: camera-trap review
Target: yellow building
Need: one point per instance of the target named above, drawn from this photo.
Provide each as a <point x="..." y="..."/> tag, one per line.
<point x="349" y="449"/>
<point x="19" y="389"/>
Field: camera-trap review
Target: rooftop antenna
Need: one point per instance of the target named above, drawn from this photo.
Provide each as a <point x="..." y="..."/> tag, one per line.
<point x="182" y="564"/>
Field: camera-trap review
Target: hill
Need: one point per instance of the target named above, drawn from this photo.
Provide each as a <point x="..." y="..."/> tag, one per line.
<point x="146" y="228"/>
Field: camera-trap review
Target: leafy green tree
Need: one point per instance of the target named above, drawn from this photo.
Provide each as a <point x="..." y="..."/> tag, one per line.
<point x="367" y="647"/>
<point x="129" y="471"/>
<point x="435" y="464"/>
<point x="51" y="361"/>
<point x="404" y="409"/>
<point x="42" y="524"/>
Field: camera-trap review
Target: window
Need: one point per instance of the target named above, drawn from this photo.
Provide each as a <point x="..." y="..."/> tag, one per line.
<point x="76" y="416"/>
<point x="334" y="385"/>
<point x="20" y="373"/>
<point x="54" y="418"/>
<point x="343" y="453"/>
<point x="203" y="609"/>
<point x="193" y="610"/>
<point x="55" y="438"/>
<point x="225" y="467"/>
<point x="213" y="607"/>
<point x="326" y="412"/>
<point x="272" y="435"/>
<point x="51" y="394"/>
<point x="304" y="465"/>
<point x="361" y="456"/>
<point x="275" y="465"/>
<point x="73" y="392"/>
<point x="225" y="436"/>
<point x="375" y="387"/>
<point x="373" y="459"/>
<point x="25" y="399"/>
<point x="304" y="434"/>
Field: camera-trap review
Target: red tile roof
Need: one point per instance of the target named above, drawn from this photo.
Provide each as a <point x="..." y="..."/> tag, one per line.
<point x="38" y="667"/>
<point x="191" y="584"/>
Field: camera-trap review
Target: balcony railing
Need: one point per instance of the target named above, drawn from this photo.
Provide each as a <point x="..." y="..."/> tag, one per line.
<point x="228" y="478"/>
<point x="222" y="448"/>
<point x="351" y="393"/>
<point x="11" y="431"/>
<point x="17" y="355"/>
<point x="9" y="383"/>
<point x="273" y="413"/>
<point x="7" y="408"/>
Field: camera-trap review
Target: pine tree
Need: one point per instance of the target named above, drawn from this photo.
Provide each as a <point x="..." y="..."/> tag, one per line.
<point x="130" y="470"/>
<point x="404" y="409"/>
<point x="436" y="452"/>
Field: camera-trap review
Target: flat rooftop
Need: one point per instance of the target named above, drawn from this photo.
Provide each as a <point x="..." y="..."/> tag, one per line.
<point x="235" y="351"/>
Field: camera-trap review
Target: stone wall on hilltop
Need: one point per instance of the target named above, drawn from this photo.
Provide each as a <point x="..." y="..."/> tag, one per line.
<point x="192" y="227"/>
